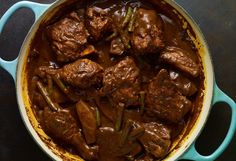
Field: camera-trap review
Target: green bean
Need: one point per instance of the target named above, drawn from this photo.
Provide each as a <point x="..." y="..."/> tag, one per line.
<point x="50" y="84"/>
<point x="127" y="17"/>
<point x="64" y="89"/>
<point x="119" y="118"/>
<point x="126" y="131"/>
<point x="142" y="101"/>
<point x="43" y="91"/>
<point x="98" y="117"/>
<point x="60" y="84"/>
<point x="132" y="20"/>
<point x="123" y="35"/>
<point x="114" y="34"/>
<point x="125" y="39"/>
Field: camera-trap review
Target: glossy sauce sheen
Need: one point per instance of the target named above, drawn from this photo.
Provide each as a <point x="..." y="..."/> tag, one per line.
<point x="41" y="54"/>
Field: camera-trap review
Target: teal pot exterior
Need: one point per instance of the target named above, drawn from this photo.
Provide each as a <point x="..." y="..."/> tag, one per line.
<point x="187" y="149"/>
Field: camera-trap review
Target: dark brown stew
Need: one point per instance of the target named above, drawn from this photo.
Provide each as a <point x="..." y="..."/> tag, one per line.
<point x="114" y="80"/>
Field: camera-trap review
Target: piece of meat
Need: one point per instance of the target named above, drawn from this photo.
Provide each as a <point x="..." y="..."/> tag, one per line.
<point x="62" y="126"/>
<point x="156" y="139"/>
<point x="82" y="73"/>
<point x="97" y="22"/>
<point x="127" y="95"/>
<point x="68" y="37"/>
<point x="163" y="99"/>
<point x="184" y="85"/>
<point x="122" y="83"/>
<point x="44" y="71"/>
<point x="87" y="120"/>
<point x="148" y="32"/>
<point x="117" y="47"/>
<point x="124" y="71"/>
<point x="181" y="60"/>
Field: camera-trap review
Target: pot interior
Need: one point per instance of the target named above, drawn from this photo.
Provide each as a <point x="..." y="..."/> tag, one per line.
<point x="194" y="125"/>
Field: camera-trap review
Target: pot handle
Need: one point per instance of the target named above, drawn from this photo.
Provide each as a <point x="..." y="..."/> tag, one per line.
<point x="38" y="9"/>
<point x="192" y="153"/>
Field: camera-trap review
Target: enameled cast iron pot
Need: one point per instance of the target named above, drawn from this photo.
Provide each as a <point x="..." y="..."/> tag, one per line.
<point x="186" y="147"/>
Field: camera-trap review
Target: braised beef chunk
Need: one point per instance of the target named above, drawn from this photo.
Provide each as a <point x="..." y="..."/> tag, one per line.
<point x="43" y="71"/>
<point x="97" y="22"/>
<point x="148" y="32"/>
<point x="62" y="126"/>
<point x="117" y="47"/>
<point x="57" y="123"/>
<point x="122" y="82"/>
<point x="127" y="95"/>
<point x="68" y="37"/>
<point x="181" y="60"/>
<point x="123" y="72"/>
<point x="184" y="85"/>
<point x="82" y="73"/>
<point x="164" y="100"/>
<point x="156" y="139"/>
